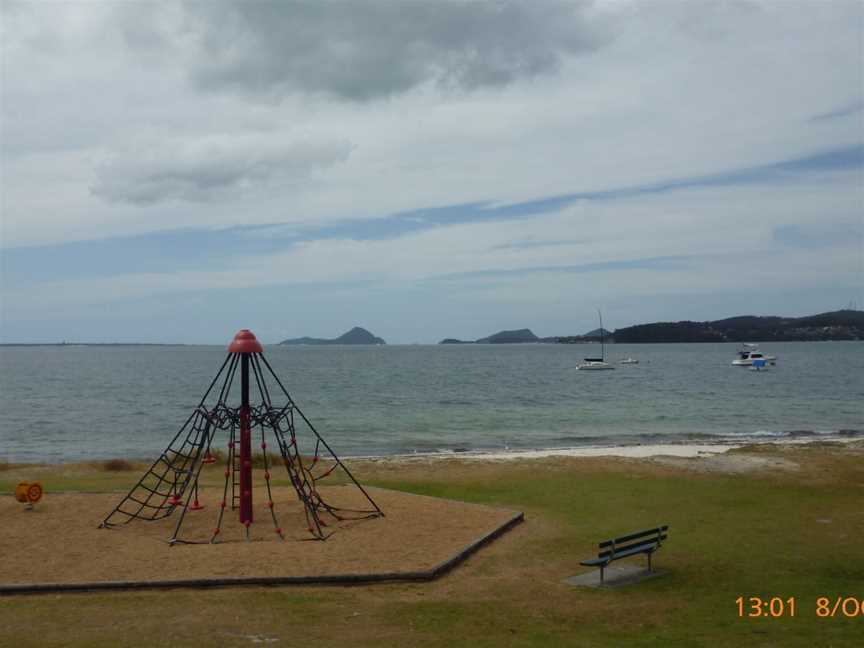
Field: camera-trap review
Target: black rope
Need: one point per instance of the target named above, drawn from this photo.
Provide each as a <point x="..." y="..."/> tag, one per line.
<point x="172" y="480"/>
<point x="321" y="439"/>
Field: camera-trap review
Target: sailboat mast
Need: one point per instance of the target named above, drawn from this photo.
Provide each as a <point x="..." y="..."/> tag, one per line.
<point x="602" y="343"/>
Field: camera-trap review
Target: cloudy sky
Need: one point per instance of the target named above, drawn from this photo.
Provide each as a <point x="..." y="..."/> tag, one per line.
<point x="174" y="172"/>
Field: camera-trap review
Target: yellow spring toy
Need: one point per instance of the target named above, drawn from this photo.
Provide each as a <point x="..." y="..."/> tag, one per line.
<point x="28" y="493"/>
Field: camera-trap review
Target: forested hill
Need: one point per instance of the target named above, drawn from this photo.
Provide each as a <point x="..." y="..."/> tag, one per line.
<point x="836" y="325"/>
<point x="501" y="337"/>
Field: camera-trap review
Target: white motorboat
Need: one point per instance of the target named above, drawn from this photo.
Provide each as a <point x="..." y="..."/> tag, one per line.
<point x="596" y="364"/>
<point x="593" y="364"/>
<point x="628" y="360"/>
<point x="748" y="353"/>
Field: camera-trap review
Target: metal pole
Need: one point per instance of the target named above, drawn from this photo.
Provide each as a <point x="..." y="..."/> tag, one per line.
<point x="602" y="343"/>
<point x="245" y="447"/>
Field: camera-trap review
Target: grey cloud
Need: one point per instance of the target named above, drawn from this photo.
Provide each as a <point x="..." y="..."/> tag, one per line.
<point x="525" y="245"/>
<point x="852" y="108"/>
<point x="664" y="263"/>
<point x="209" y="168"/>
<point x="365" y="50"/>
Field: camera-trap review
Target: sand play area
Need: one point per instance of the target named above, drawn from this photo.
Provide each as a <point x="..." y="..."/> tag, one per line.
<point x="60" y="542"/>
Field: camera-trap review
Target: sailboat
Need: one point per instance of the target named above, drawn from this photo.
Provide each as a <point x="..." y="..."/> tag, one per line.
<point x="597" y="364"/>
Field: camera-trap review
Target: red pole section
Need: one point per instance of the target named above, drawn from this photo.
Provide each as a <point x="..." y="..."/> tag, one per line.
<point x="245" y="344"/>
<point x="245" y="464"/>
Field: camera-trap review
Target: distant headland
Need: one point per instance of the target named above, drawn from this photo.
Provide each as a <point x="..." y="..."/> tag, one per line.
<point x="835" y="325"/>
<point x="526" y="336"/>
<point x="356" y="335"/>
<point x="502" y="337"/>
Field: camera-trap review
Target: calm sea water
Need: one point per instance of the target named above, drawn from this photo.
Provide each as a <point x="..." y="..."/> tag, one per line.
<point x="70" y="403"/>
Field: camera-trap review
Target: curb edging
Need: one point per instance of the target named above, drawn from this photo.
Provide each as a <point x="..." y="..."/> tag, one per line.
<point x="324" y="579"/>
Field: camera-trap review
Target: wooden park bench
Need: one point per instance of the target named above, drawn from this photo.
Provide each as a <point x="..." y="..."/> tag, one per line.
<point x="646" y="542"/>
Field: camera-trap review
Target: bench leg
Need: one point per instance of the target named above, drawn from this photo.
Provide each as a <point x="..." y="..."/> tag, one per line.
<point x="602" y="567"/>
<point x="649" y="561"/>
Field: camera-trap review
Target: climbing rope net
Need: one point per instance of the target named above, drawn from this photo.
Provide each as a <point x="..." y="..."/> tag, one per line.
<point x="170" y="485"/>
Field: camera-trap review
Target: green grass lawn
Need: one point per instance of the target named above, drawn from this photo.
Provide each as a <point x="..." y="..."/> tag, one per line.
<point x="789" y="534"/>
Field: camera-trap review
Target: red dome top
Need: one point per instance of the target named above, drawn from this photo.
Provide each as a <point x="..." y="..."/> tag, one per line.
<point x="245" y="342"/>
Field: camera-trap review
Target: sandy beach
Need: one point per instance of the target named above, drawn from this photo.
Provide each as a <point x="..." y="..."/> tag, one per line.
<point x="64" y="544"/>
<point x="711" y="453"/>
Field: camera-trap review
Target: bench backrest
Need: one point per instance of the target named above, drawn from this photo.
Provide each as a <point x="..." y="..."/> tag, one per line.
<point x="617" y="545"/>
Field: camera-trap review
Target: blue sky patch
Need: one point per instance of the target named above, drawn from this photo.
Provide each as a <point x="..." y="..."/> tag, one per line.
<point x="190" y="249"/>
